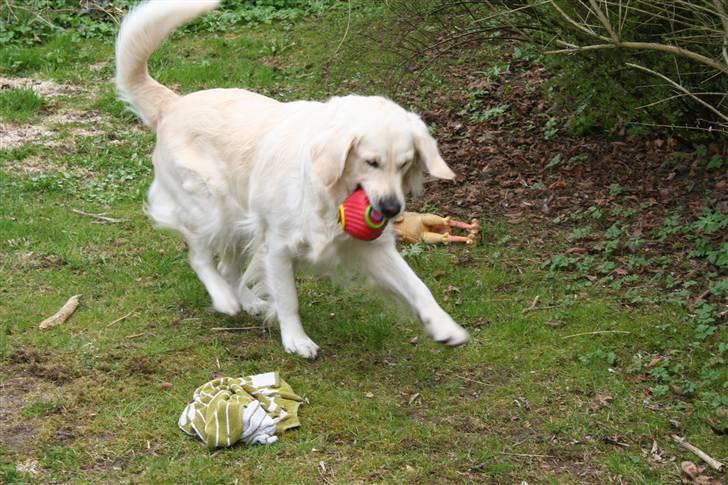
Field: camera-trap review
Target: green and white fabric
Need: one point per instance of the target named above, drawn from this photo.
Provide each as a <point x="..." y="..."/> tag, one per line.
<point x="251" y="409"/>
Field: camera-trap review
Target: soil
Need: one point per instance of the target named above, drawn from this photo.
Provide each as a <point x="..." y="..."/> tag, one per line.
<point x="501" y="163"/>
<point x="84" y="123"/>
<point x="18" y="432"/>
<point x="40" y="87"/>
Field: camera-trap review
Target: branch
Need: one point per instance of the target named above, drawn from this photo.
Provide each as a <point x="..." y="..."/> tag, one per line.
<point x="679" y="51"/>
<point x="720" y="9"/>
<point x="680" y="88"/>
<point x="61" y="315"/>
<point x="714" y="464"/>
<point x="577" y="24"/>
<point x="605" y="21"/>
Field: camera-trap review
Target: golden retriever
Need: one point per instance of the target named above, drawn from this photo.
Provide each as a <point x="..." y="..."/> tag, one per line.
<point x="254" y="183"/>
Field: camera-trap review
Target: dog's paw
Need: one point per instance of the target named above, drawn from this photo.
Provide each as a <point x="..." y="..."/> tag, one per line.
<point x="301" y="345"/>
<point x="449" y="333"/>
<point x="256" y="309"/>
<point x="227" y="304"/>
<point x="252" y="304"/>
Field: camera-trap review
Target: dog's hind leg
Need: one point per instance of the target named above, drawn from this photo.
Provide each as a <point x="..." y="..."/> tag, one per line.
<point x="249" y="287"/>
<point x="230" y="267"/>
<point x="202" y="262"/>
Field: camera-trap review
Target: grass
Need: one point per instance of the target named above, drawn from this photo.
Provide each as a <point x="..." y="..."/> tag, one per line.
<point x="19" y="105"/>
<point x="84" y="401"/>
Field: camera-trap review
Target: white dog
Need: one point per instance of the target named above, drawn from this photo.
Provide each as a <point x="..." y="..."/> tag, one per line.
<point x="256" y="183"/>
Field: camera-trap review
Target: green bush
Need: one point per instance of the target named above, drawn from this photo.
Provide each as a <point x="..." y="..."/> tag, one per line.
<point x="591" y="80"/>
<point x="35" y="21"/>
<point x="611" y="95"/>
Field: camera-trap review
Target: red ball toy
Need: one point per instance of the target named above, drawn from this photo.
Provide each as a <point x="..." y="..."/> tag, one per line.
<point x="359" y="219"/>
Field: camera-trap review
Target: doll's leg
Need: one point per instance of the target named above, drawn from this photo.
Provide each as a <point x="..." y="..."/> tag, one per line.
<point x="435" y="238"/>
<point x="435" y="223"/>
<point x="434" y="220"/>
<point x="473" y="226"/>
<point x="460" y="239"/>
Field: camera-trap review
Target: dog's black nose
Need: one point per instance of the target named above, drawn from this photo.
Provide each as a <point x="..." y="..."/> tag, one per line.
<point x="389" y="207"/>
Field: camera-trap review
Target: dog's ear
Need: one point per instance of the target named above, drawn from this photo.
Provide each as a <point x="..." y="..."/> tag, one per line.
<point x="329" y="154"/>
<point x="427" y="150"/>
<point x="412" y="182"/>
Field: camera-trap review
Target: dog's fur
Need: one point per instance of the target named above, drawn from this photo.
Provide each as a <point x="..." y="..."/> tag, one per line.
<point x="256" y="183"/>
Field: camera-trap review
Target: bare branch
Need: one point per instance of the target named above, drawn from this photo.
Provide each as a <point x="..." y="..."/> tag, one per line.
<point x="680" y="88"/>
<point x="604" y="20"/>
<point x="577" y="25"/>
<point x="678" y="51"/>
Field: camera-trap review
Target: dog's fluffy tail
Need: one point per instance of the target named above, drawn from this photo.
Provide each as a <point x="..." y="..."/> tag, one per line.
<point x="141" y="32"/>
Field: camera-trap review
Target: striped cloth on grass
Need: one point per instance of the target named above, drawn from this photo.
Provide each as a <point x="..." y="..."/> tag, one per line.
<point x="251" y="409"/>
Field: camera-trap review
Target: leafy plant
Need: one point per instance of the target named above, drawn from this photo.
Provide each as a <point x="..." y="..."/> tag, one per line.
<point x="550" y="130"/>
<point x="490" y="113"/>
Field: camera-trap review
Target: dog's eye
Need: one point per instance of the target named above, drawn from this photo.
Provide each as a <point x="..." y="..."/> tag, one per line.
<point x="373" y="163"/>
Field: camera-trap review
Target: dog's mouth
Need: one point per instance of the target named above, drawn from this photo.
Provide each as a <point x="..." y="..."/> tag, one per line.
<point x="389" y="207"/>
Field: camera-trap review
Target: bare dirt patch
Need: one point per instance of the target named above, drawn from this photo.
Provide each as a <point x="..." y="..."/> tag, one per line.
<point x="39" y="86"/>
<point x="33" y="364"/>
<point x="18" y="432"/>
<point x="79" y="124"/>
<point x="84" y="123"/>
<point x="34" y="166"/>
<point x="15" y="135"/>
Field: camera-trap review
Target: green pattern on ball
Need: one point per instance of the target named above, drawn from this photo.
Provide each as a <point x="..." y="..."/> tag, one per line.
<point x="370" y="223"/>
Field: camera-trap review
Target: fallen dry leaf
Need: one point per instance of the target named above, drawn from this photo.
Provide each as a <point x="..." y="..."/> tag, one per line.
<point x="599" y="401"/>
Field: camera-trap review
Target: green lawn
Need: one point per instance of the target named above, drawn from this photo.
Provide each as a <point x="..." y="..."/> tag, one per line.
<point x="529" y="398"/>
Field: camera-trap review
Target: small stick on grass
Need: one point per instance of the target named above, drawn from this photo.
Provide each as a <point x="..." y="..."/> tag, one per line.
<point x="61" y="315"/>
<point x="136" y="335"/>
<point x="533" y="306"/>
<point x="699" y="298"/>
<point x="235" y="329"/>
<point x="121" y="318"/>
<point x="595" y="333"/>
<point x="100" y="217"/>
<point x="714" y="464"/>
<point x="468" y="379"/>
<point x="525" y="455"/>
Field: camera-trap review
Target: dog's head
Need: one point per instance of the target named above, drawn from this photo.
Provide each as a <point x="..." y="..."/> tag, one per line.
<point x="377" y="145"/>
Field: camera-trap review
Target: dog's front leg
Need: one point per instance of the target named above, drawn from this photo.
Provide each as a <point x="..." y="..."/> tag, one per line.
<point x="386" y="267"/>
<point x="282" y="288"/>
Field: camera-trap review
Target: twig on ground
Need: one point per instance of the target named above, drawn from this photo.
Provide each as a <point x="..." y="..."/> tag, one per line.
<point x="712" y="462"/>
<point x="698" y="299"/>
<point x="526" y="455"/>
<point x="136" y="335"/>
<point x="121" y="318"/>
<point x="61" y="315"/>
<point x="235" y="329"/>
<point x="533" y="306"/>
<point x="473" y="380"/>
<point x="595" y="333"/>
<point x="100" y="217"/>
